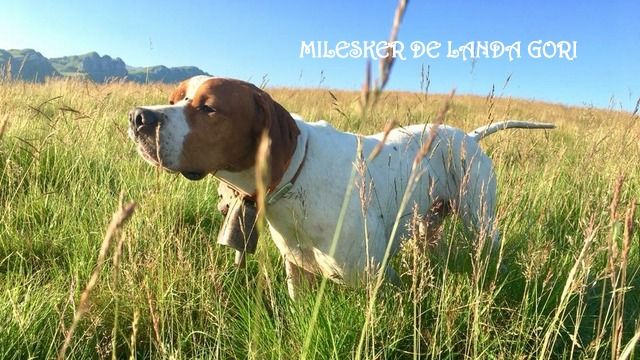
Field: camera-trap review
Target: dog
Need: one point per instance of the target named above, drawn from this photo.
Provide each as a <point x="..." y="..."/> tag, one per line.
<point x="214" y="125"/>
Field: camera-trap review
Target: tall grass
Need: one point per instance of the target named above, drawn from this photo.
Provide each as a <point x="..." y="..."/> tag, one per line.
<point x="566" y="286"/>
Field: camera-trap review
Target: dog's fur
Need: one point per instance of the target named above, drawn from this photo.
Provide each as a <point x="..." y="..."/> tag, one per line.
<point x="213" y="125"/>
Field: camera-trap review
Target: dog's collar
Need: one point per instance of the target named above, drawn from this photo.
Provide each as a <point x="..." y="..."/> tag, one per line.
<point x="277" y="191"/>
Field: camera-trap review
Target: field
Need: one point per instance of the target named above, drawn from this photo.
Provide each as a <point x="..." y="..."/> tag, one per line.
<point x="565" y="284"/>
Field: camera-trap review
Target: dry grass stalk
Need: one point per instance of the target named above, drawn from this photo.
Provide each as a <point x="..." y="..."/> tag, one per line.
<point x="616" y="198"/>
<point x="491" y="100"/>
<point x="636" y="109"/>
<point x="386" y="62"/>
<point x="24" y="61"/>
<point x="117" y="221"/>
<point x="439" y="120"/>
<point x="134" y="333"/>
<point x="9" y="76"/>
<point x="365" y="91"/>
<point x="552" y="333"/>
<point x="391" y="124"/>
<point x="631" y="346"/>
<point x="628" y="226"/>
<point x="425" y="81"/>
<point x="159" y="167"/>
<point x="114" y="284"/>
<point x="154" y="319"/>
<point x="3" y="125"/>
<point x="365" y="189"/>
<point x="262" y="172"/>
<point x="612" y="270"/>
<point x="613" y="244"/>
<point x="622" y="279"/>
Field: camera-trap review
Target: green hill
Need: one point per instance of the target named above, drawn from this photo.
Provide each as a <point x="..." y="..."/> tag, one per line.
<point x="97" y="68"/>
<point x="161" y="73"/>
<point x="26" y="64"/>
<point x="30" y="65"/>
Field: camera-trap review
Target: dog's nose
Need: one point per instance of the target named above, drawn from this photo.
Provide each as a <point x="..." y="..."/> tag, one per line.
<point x="142" y="117"/>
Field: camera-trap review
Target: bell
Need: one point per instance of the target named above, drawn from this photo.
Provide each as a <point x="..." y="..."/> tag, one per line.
<point x="238" y="229"/>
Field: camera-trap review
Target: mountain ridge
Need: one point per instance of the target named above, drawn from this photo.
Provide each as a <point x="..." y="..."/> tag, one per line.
<point x="30" y="65"/>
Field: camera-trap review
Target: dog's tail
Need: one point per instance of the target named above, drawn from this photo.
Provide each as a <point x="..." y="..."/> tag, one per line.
<point x="483" y="131"/>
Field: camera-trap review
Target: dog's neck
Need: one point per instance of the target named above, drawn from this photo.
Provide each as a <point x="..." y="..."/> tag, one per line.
<point x="245" y="181"/>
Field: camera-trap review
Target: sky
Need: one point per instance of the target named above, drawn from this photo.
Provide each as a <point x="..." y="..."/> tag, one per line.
<point x="258" y="40"/>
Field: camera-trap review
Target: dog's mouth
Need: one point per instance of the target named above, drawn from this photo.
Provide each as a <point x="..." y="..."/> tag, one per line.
<point x="148" y="152"/>
<point x="192" y="175"/>
<point x="147" y="148"/>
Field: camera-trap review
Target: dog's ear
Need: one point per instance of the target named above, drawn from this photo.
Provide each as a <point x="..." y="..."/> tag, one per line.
<point x="179" y="93"/>
<point x="282" y="130"/>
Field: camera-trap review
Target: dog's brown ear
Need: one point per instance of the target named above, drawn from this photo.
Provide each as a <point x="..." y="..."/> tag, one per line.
<point x="179" y="93"/>
<point x="282" y="130"/>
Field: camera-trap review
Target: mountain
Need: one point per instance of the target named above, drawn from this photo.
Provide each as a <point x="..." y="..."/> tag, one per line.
<point x="30" y="65"/>
<point x="161" y="73"/>
<point x="97" y="68"/>
<point x="26" y="64"/>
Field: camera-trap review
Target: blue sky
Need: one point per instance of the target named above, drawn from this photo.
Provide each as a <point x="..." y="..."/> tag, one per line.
<point x="253" y="39"/>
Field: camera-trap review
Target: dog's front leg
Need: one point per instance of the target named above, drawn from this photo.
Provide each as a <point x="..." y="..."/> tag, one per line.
<point x="297" y="278"/>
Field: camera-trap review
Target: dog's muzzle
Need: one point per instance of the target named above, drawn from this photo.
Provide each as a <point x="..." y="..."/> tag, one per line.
<point x="143" y="122"/>
<point x="143" y="130"/>
<point x="144" y="125"/>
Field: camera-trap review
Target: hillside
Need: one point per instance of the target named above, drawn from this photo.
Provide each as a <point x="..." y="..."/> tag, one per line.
<point x="26" y="64"/>
<point x="97" y="68"/>
<point x="30" y="65"/>
<point x="161" y="73"/>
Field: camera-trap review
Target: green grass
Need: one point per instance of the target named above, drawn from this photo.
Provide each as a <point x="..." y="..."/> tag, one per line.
<point x="65" y="159"/>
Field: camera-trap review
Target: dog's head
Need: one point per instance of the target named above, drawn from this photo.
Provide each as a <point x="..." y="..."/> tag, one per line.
<point x="213" y="124"/>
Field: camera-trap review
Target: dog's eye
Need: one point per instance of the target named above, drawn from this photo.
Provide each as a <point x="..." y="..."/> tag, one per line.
<point x="206" y="108"/>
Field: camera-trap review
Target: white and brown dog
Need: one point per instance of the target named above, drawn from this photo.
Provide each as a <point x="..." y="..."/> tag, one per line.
<point x="213" y="126"/>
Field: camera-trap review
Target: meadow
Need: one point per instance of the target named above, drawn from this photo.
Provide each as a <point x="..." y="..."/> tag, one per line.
<point x="565" y="283"/>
